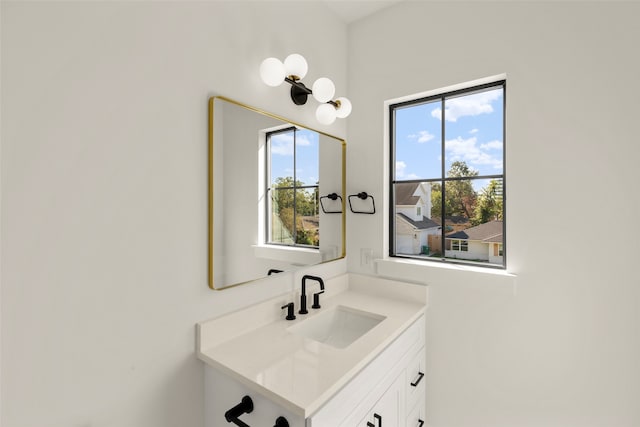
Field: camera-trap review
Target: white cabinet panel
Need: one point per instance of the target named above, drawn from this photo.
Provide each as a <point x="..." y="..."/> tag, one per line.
<point x="222" y="393"/>
<point x="389" y="410"/>
<point x="417" y="417"/>
<point x="415" y="378"/>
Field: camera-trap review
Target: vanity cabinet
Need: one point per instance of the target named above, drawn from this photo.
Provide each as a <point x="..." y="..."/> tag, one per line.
<point x="387" y="392"/>
<point x="387" y="409"/>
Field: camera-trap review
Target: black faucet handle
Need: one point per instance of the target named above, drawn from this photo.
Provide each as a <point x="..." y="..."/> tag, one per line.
<point x="290" y="309"/>
<point x="316" y="299"/>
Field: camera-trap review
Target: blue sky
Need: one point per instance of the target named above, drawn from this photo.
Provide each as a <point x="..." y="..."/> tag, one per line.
<point x="307" y="156"/>
<point x="473" y="133"/>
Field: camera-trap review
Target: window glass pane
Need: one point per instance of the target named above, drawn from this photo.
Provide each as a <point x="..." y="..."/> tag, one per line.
<point x="282" y="216"/>
<point x="489" y="204"/>
<point x="417" y="231"/>
<point x="475" y="200"/>
<point x="307" y="217"/>
<point x="307" y="157"/>
<point x="474" y="132"/>
<point x="281" y="158"/>
<point x="418" y="143"/>
<point x="474" y="224"/>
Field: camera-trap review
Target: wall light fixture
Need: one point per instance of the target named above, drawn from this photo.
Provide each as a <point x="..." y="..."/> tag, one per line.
<point x="274" y="72"/>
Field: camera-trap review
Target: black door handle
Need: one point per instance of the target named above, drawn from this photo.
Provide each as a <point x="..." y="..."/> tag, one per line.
<point x="416" y="382"/>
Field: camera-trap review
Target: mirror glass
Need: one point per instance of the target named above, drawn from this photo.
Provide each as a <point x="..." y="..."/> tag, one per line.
<point x="276" y="194"/>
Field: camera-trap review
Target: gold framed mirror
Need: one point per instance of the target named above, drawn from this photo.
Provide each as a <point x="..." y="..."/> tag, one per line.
<point x="276" y="194"/>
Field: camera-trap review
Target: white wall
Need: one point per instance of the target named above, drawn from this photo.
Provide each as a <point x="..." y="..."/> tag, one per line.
<point x="104" y="195"/>
<point x="561" y="346"/>
<point x="103" y="184"/>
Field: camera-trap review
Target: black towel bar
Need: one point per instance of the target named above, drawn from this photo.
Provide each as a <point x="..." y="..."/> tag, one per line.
<point x="244" y="407"/>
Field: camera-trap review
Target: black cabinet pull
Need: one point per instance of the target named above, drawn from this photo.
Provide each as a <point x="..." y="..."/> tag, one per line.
<point x="379" y="418"/>
<point x="420" y="423"/>
<point x="281" y="422"/>
<point x="416" y="382"/>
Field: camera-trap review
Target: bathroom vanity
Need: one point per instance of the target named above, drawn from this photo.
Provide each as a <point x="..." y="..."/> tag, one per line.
<point x="357" y="361"/>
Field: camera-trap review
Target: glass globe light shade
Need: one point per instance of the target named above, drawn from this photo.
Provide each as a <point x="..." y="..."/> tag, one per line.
<point x="296" y="65"/>
<point x="272" y="72"/>
<point x="344" y="109"/>
<point x="326" y="114"/>
<point x="323" y="89"/>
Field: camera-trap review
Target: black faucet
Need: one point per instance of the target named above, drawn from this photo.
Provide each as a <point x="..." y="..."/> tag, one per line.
<point x="303" y="297"/>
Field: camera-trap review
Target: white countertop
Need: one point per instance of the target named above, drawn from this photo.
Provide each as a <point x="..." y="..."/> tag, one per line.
<point x="255" y="347"/>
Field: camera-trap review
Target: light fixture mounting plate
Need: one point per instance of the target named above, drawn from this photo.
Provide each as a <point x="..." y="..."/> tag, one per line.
<point x="299" y="93"/>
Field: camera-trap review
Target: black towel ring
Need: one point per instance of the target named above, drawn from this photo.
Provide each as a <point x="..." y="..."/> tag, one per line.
<point x="332" y="196"/>
<point x="363" y="196"/>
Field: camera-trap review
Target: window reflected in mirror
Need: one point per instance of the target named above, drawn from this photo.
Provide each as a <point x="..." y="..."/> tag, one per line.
<point x="266" y="177"/>
<point x="293" y="216"/>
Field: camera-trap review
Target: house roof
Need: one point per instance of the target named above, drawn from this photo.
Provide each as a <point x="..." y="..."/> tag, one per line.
<point x="489" y="232"/>
<point x="404" y="193"/>
<point x="420" y="225"/>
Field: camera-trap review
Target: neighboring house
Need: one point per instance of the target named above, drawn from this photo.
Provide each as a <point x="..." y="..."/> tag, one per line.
<point x="483" y="242"/>
<point x="413" y="218"/>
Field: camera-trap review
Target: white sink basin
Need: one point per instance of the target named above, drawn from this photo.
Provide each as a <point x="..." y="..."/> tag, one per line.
<point x="338" y="326"/>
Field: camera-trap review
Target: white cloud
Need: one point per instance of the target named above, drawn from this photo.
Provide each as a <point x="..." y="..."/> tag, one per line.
<point x="282" y="144"/>
<point x="282" y="148"/>
<point x="400" y="168"/>
<point x="303" y="140"/>
<point x="401" y="171"/>
<point x="469" y="105"/>
<point x="491" y="145"/>
<point x="422" y="136"/>
<point x="467" y="150"/>
<point x="472" y="131"/>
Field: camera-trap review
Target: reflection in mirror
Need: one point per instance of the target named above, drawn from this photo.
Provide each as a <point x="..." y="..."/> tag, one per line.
<point x="267" y="176"/>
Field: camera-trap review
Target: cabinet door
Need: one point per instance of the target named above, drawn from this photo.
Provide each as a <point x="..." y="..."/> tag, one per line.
<point x="416" y="417"/>
<point x="415" y="379"/>
<point x="387" y="412"/>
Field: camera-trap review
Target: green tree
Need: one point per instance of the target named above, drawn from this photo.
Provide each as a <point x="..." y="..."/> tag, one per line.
<point x="460" y="193"/>
<point x="436" y="202"/>
<point x="306" y="204"/>
<point x="490" y="203"/>
<point x="460" y="197"/>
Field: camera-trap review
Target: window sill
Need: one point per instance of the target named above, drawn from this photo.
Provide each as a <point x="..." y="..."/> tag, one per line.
<point x="434" y="273"/>
<point x="293" y="255"/>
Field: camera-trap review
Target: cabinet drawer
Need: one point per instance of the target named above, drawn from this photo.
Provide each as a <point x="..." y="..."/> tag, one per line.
<point x="416" y="417"/>
<point x="415" y="378"/>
